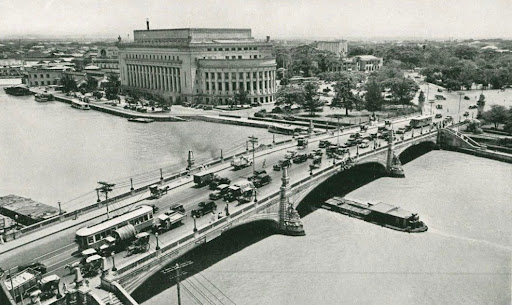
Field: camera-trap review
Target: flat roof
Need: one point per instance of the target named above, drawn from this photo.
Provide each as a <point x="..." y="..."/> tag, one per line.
<point x="382" y="207"/>
<point x="27" y="207"/>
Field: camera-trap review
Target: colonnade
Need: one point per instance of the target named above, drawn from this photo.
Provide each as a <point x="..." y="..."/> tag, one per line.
<point x="256" y="82"/>
<point x="154" y="77"/>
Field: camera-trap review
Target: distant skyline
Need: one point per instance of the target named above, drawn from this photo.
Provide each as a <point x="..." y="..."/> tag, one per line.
<point x="280" y="19"/>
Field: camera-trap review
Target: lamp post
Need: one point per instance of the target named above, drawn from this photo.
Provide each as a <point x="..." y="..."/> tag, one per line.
<point x="113" y="261"/>
<point x="195" y="227"/>
<point x="227" y="209"/>
<point x="458" y="113"/>
<point x="98" y="194"/>
<point x="253" y="140"/>
<point x="157" y="245"/>
<point x="255" y="196"/>
<point x="338" y="137"/>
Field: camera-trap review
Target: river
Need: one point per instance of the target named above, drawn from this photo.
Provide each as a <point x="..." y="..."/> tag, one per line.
<point x="52" y="152"/>
<point x="464" y="258"/>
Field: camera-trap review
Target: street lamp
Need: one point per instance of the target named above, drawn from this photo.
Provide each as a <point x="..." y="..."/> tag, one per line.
<point x="157" y="245"/>
<point x="338" y="137"/>
<point x="253" y="140"/>
<point x="458" y="113"/>
<point x="255" y="196"/>
<point x="195" y="227"/>
<point x="113" y="261"/>
<point x="227" y="209"/>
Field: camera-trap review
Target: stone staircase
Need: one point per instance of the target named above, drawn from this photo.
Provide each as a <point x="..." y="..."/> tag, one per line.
<point x="111" y="299"/>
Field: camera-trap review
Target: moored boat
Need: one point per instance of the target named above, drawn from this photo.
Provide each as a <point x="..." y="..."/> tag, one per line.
<point x="141" y="120"/>
<point x="43" y="97"/>
<point x="80" y="105"/>
<point x="18" y="90"/>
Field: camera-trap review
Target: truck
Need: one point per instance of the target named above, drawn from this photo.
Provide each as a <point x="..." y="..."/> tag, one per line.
<point x="240" y="189"/>
<point x="281" y="164"/>
<point x="300" y="158"/>
<point x="202" y="179"/>
<point x="241" y="162"/>
<point x="302" y="142"/>
<point x="203" y="209"/>
<point x="167" y="221"/>
<point x="219" y="192"/>
<point x="262" y="180"/>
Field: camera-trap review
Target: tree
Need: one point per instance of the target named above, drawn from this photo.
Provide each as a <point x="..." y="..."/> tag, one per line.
<point x="403" y="90"/>
<point x="373" y="96"/>
<point x="496" y="115"/>
<point x="241" y="97"/>
<point x="343" y="97"/>
<point x="91" y="83"/>
<point x="311" y="102"/>
<point x="290" y="96"/>
<point x="68" y="83"/>
<point x="421" y="101"/>
<point x="112" y="86"/>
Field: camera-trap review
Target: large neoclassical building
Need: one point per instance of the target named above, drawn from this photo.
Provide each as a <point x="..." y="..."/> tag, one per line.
<point x="199" y="65"/>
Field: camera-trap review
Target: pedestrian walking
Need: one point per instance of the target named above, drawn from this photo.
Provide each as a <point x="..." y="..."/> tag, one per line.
<point x="264" y="163"/>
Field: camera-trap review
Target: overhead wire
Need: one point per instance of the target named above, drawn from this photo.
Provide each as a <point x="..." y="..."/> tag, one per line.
<point x="216" y="287"/>
<point x="199" y="291"/>
<point x="194" y="278"/>
<point x="190" y="293"/>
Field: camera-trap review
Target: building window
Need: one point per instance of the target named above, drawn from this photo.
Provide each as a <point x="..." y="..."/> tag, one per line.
<point x="241" y="86"/>
<point x="206" y="75"/>
<point x="260" y="74"/>
<point x="241" y="75"/>
<point x="245" y="49"/>
<point x="48" y="75"/>
<point x="247" y="85"/>
<point x="253" y="74"/>
<point x="207" y="85"/>
<point x="219" y="75"/>
<point x="220" y="86"/>
<point x="209" y="49"/>
<point x="248" y="74"/>
<point x="35" y="75"/>
<point x="42" y="75"/>
<point x="213" y="86"/>
<point x="233" y="57"/>
<point x="226" y="86"/>
<point x="36" y="83"/>
<point x="234" y="86"/>
<point x="227" y="57"/>
<point x="239" y="56"/>
<point x="226" y="75"/>
<point x="253" y="85"/>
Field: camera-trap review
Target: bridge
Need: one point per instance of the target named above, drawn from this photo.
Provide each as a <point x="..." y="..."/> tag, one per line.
<point x="277" y="209"/>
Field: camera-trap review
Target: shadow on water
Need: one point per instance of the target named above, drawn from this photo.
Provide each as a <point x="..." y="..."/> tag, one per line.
<point x="206" y="255"/>
<point x="340" y="185"/>
<point x="416" y="151"/>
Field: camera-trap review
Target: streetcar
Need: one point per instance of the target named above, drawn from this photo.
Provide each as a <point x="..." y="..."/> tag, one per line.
<point x="141" y="218"/>
<point x="418" y="122"/>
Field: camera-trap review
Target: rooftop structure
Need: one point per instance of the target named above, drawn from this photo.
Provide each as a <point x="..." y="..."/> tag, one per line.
<point x="25" y="210"/>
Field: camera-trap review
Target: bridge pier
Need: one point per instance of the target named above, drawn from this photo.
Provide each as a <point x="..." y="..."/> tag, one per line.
<point x="289" y="219"/>
<point x="393" y="165"/>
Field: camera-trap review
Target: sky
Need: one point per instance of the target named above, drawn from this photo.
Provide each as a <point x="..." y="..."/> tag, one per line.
<point x="336" y="19"/>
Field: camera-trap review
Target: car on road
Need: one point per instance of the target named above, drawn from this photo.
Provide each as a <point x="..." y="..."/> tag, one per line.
<point x="300" y="158"/>
<point x="438" y="116"/>
<point x="290" y="154"/>
<point x="400" y="130"/>
<point x="203" y="209"/>
<point x="281" y="164"/>
<point x="439" y="90"/>
<point x="178" y="207"/>
<point x="407" y="128"/>
<point x="466" y="97"/>
<point x="318" y="152"/>
<point x="473" y="107"/>
<point x="219" y="192"/>
<point x="466" y="113"/>
<point x="439" y="106"/>
<point x="37" y="266"/>
<point x="365" y="144"/>
<point x="256" y="174"/>
<point x="262" y="180"/>
<point x="355" y="135"/>
<point x="324" y="144"/>
<point x="382" y="129"/>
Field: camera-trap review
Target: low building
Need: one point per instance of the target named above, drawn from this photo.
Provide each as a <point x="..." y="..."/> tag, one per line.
<point x="25" y="210"/>
<point x="368" y="63"/>
<point x="107" y="60"/>
<point x="45" y="75"/>
<point x="199" y="65"/>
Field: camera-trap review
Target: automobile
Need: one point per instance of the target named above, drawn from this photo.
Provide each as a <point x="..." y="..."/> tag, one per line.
<point x="219" y="192"/>
<point x="317" y="152"/>
<point x="300" y="158"/>
<point x="439" y="106"/>
<point x="155" y="208"/>
<point x="281" y="164"/>
<point x="324" y="144"/>
<point x="466" y="113"/>
<point x="364" y="145"/>
<point x="203" y="209"/>
<point x="208" y="107"/>
<point x="407" y="128"/>
<point x="439" y="90"/>
<point x="289" y="118"/>
<point x="261" y="114"/>
<point x="255" y="104"/>
<point x="466" y="97"/>
<point x="438" y="116"/>
<point x="262" y="180"/>
<point x="256" y="174"/>
<point x="387" y="122"/>
<point x="290" y="154"/>
<point x="37" y="266"/>
<point x="178" y="207"/>
<point x="473" y="107"/>
<point x="400" y="130"/>
<point x="382" y="128"/>
<point x="355" y="135"/>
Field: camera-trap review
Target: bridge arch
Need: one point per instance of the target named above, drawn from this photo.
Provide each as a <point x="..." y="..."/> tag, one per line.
<point x="416" y="150"/>
<point x="338" y="184"/>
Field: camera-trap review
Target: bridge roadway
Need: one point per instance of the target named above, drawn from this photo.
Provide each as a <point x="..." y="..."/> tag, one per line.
<point x="57" y="250"/>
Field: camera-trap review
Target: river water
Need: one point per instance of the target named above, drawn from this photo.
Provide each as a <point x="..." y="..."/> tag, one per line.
<point x="51" y="152"/>
<point x="464" y="258"/>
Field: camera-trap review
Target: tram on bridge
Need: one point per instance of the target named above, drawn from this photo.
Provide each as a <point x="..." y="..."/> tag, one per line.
<point x="141" y="218"/>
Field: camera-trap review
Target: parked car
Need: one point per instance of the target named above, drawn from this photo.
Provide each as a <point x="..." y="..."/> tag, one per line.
<point x="438" y="115"/>
<point x="407" y="127"/>
<point x="466" y="113"/>
<point x="466" y="97"/>
<point x="473" y="107"/>
<point x="203" y="209"/>
<point x="400" y="130"/>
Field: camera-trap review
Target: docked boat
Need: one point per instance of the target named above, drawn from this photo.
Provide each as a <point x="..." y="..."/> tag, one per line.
<point x="18" y="90"/>
<point x="141" y="120"/>
<point x="80" y="105"/>
<point x="43" y="97"/>
<point x="285" y="129"/>
<point x="382" y="214"/>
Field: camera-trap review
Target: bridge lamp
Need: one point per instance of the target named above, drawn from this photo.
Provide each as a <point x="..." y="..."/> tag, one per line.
<point x="157" y="245"/>
<point x="227" y="209"/>
<point x="113" y="261"/>
<point x="195" y="227"/>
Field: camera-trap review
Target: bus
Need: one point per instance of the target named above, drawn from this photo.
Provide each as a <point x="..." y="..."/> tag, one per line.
<point x="418" y="122"/>
<point x="93" y="236"/>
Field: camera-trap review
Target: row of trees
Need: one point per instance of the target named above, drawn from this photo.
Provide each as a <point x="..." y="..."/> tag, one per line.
<point x="112" y="86"/>
<point x="499" y="115"/>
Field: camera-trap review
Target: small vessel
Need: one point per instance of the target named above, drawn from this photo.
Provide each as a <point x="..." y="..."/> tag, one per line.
<point x="382" y="214"/>
<point x="18" y="90"/>
<point x="80" y="105"/>
<point x="141" y="120"/>
<point x="43" y="97"/>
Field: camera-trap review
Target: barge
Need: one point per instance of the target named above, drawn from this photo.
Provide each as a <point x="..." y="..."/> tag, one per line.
<point x="18" y="90"/>
<point x="382" y="214"/>
<point x="141" y="120"/>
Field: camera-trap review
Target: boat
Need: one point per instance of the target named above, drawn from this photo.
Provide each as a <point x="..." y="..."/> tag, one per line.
<point x="18" y="90"/>
<point x="43" y="97"/>
<point x="141" y="120"/>
<point x="285" y="129"/>
<point x="80" y="105"/>
<point x="381" y="214"/>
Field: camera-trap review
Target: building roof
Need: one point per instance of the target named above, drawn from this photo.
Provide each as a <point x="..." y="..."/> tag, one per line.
<point x="367" y="57"/>
<point x="27" y="207"/>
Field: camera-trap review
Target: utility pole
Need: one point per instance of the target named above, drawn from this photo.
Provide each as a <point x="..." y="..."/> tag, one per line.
<point x="253" y="140"/>
<point x="458" y="113"/>
<point x="105" y="188"/>
<point x="178" y="275"/>
<point x="338" y="137"/>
